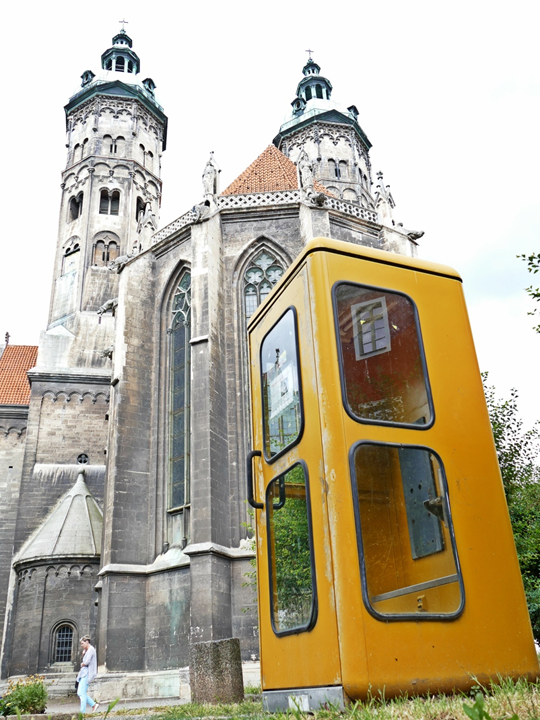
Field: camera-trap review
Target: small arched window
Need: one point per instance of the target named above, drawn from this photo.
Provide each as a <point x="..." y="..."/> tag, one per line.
<point x="75" y="207"/>
<point x="99" y="253"/>
<point x="84" y="152"/>
<point x="109" y="203"/>
<point x="119" y="64"/>
<point x="261" y="275"/>
<point x="142" y="151"/>
<point x="112" y="252"/>
<point x="115" y="202"/>
<point x="108" y="64"/>
<point x="140" y="208"/>
<point x="130" y="66"/>
<point x="343" y="174"/>
<point x="120" y="143"/>
<point x="179" y="403"/>
<point x="308" y="93"/>
<point x="318" y="91"/>
<point x="77" y="153"/>
<point x="333" y="168"/>
<point x="63" y="644"/>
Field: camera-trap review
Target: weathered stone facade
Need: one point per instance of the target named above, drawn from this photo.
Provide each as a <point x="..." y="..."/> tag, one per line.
<point x="141" y="377"/>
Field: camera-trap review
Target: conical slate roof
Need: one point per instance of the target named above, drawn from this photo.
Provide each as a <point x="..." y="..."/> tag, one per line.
<point x="272" y="171"/>
<point x="73" y="529"/>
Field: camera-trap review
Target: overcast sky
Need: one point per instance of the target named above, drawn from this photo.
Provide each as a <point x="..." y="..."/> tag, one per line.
<point x="448" y="93"/>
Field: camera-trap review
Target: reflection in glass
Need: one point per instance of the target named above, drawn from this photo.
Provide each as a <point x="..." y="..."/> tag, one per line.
<point x="381" y="360"/>
<point x="408" y="551"/>
<point x="281" y="386"/>
<point x="292" y="583"/>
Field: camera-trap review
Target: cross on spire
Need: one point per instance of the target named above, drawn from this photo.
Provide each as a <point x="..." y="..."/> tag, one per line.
<point x="310" y="51"/>
<point x="124" y="22"/>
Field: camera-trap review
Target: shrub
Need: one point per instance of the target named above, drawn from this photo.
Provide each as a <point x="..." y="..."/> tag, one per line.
<point x="28" y="695"/>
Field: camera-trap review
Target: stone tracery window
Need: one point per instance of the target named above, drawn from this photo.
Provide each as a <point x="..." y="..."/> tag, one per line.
<point x="179" y="395"/>
<point x="260" y="277"/>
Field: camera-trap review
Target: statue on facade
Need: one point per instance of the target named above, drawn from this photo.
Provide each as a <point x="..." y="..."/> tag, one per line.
<point x="210" y="178"/>
<point x="305" y="170"/>
<point x="119" y="263"/>
<point x="146" y="218"/>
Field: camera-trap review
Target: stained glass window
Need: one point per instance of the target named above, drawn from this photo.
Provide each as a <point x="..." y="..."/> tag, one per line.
<point x="259" y="279"/>
<point x="179" y="417"/>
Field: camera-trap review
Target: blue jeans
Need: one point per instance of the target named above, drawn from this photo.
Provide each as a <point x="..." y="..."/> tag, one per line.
<point x="82" y="692"/>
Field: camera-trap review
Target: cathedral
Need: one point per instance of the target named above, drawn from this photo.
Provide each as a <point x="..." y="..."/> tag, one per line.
<point x="123" y="436"/>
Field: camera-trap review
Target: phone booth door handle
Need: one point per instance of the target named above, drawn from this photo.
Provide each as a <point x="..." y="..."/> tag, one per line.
<point x="249" y="468"/>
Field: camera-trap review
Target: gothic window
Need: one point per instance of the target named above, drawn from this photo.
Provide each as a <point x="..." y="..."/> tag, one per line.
<point x="262" y="274"/>
<point x="318" y="91"/>
<point x="120" y="64"/>
<point x="308" y="93"/>
<point x="343" y="174"/>
<point x="63" y="644"/>
<point x="75" y="207"/>
<point x="179" y="396"/>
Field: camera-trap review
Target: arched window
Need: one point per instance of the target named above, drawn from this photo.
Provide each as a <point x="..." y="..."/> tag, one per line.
<point x="77" y="153"/>
<point x="179" y="396"/>
<point x="150" y="160"/>
<point x="99" y="253"/>
<point x="142" y="151"/>
<point x="75" y="207"/>
<point x="343" y="174"/>
<point x="318" y="91"/>
<point x="262" y="274"/>
<point x="115" y="202"/>
<point x="70" y="261"/>
<point x="84" y="148"/>
<point x="108" y="64"/>
<point x="140" y="208"/>
<point x="308" y="93"/>
<point x="109" y="204"/>
<point x="62" y="650"/>
<point x="119" y="64"/>
<point x="120" y="145"/>
<point x="112" y="252"/>
<point x="130" y="66"/>
<point x="333" y="168"/>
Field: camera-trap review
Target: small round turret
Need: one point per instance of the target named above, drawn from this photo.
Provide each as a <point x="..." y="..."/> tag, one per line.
<point x="120" y="57"/>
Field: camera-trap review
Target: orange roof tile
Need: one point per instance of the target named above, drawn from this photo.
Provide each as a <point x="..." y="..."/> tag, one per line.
<point x="272" y="171"/>
<point x="14" y="363"/>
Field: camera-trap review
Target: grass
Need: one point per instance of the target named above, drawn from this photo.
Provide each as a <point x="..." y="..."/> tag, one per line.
<point x="507" y="700"/>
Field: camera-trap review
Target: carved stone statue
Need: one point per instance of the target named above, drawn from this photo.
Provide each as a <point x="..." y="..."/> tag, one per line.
<point x="209" y="177"/>
<point x="109" y="305"/>
<point x="146" y="218"/>
<point x="107" y="353"/>
<point x="119" y="263"/>
<point x="305" y="170"/>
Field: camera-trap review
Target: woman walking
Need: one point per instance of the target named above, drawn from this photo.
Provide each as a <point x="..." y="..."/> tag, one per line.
<point x="86" y="674"/>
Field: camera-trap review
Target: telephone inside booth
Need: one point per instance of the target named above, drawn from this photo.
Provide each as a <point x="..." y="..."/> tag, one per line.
<point x="385" y="556"/>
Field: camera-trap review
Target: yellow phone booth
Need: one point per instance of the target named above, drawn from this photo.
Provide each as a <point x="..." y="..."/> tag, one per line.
<point x="385" y="556"/>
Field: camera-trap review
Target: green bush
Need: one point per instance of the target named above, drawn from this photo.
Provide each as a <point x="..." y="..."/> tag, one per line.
<point x="28" y="695"/>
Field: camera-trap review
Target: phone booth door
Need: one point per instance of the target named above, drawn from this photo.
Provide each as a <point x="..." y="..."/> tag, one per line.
<point x="299" y="643"/>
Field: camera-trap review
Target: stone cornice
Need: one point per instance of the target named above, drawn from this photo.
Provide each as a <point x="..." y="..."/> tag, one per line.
<point x="67" y="376"/>
<point x="14" y="412"/>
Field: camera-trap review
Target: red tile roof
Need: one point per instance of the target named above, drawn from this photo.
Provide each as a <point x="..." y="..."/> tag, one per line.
<point x="271" y="171"/>
<point x="14" y="385"/>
